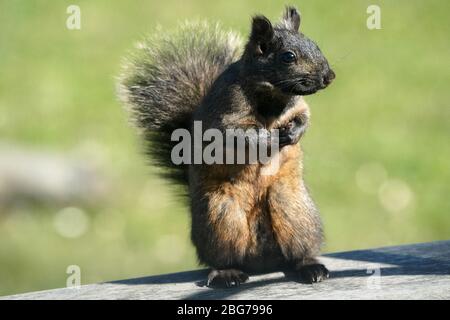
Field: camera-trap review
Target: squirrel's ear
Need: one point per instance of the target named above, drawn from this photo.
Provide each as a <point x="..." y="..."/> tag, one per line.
<point x="262" y="31"/>
<point x="291" y="18"/>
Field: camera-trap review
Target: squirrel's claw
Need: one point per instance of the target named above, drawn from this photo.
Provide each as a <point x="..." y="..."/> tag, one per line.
<point x="313" y="273"/>
<point x="291" y="133"/>
<point x="226" y="278"/>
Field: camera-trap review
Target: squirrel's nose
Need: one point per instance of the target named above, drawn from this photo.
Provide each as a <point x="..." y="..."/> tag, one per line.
<point x="328" y="77"/>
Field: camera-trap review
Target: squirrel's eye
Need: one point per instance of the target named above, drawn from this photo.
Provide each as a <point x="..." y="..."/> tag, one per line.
<point x="288" y="57"/>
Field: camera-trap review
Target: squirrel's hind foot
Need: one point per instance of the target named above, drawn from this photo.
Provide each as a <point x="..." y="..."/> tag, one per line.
<point x="312" y="273"/>
<point x="226" y="278"/>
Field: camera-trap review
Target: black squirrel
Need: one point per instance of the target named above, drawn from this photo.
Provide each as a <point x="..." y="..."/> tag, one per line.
<point x="242" y="221"/>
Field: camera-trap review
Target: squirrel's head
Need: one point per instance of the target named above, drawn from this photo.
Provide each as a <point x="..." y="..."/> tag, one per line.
<point x="283" y="58"/>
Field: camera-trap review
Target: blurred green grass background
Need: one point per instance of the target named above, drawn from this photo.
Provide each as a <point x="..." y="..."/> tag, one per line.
<point x="377" y="153"/>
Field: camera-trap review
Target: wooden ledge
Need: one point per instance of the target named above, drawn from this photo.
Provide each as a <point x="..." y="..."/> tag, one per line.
<point x="418" y="271"/>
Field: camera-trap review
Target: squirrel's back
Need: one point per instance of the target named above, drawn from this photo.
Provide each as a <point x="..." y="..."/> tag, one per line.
<point x="166" y="78"/>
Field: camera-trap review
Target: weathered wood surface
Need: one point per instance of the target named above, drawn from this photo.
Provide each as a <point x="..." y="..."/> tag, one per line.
<point x="419" y="271"/>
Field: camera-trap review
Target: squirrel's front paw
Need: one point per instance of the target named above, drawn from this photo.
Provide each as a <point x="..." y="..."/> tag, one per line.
<point x="226" y="278"/>
<point x="313" y="273"/>
<point x="291" y="133"/>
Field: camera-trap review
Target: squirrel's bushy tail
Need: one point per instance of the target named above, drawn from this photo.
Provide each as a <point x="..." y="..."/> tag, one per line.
<point x="166" y="79"/>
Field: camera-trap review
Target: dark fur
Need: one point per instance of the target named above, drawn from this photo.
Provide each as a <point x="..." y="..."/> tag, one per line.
<point x="241" y="220"/>
<point x="165" y="80"/>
